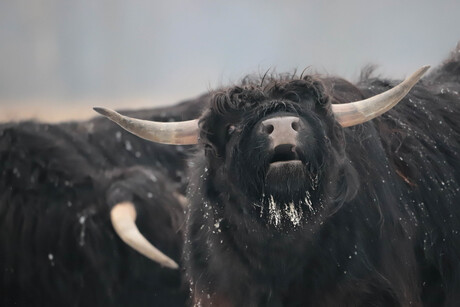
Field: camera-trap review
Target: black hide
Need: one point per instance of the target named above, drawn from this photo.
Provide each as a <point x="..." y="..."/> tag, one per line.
<point x="57" y="186"/>
<point x="371" y="216"/>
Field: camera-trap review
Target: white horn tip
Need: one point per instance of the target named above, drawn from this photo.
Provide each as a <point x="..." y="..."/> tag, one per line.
<point x="105" y="112"/>
<point x="425" y="68"/>
<point x="171" y="264"/>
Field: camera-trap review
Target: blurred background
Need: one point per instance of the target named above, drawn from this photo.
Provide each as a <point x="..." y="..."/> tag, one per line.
<point x="60" y="58"/>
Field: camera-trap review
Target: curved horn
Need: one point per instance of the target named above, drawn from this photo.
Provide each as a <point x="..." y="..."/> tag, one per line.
<point x="178" y="133"/>
<point x="354" y="113"/>
<point x="123" y="216"/>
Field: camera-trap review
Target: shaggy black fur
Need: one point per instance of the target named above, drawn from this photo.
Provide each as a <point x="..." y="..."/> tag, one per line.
<point x="57" y="186"/>
<point x="379" y="203"/>
<point x="374" y="219"/>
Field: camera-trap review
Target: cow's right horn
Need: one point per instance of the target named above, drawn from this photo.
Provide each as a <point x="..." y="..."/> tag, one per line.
<point x="123" y="217"/>
<point x="177" y="133"/>
<point x="358" y="112"/>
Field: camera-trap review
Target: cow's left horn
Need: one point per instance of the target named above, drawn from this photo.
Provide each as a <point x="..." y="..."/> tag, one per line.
<point x="358" y="112"/>
<point x="123" y="217"/>
<point x="178" y="133"/>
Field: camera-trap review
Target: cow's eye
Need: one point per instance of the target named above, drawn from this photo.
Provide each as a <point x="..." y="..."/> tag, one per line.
<point x="231" y="129"/>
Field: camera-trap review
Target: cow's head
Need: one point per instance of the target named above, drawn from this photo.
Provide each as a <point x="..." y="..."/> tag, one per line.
<point x="271" y="144"/>
<point x="279" y="144"/>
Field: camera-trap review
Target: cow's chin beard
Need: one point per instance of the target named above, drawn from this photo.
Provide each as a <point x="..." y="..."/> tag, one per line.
<point x="289" y="197"/>
<point x="287" y="181"/>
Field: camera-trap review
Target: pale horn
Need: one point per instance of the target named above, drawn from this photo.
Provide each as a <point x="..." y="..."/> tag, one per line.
<point x="358" y="112"/>
<point x="123" y="217"/>
<point x="178" y="133"/>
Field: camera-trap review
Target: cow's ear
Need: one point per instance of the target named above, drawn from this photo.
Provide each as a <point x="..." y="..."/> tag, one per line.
<point x="213" y="131"/>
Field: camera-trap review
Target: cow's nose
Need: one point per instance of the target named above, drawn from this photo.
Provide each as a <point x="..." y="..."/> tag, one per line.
<point x="281" y="130"/>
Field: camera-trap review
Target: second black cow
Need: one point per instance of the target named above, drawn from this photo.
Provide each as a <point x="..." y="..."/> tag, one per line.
<point x="67" y="189"/>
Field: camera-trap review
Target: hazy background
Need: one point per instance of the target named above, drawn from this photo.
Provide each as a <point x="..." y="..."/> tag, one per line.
<point x="60" y="58"/>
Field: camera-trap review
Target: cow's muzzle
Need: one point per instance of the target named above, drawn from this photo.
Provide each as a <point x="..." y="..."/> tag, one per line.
<point x="281" y="130"/>
<point x="282" y="134"/>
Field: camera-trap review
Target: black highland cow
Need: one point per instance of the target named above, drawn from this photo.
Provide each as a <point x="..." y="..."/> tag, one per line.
<point x="59" y="185"/>
<point x="300" y="198"/>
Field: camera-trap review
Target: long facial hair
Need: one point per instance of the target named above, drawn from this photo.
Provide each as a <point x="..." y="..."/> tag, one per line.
<point x="287" y="196"/>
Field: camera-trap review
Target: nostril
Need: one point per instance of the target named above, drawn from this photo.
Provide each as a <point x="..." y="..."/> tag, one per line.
<point x="269" y="128"/>
<point x="295" y="126"/>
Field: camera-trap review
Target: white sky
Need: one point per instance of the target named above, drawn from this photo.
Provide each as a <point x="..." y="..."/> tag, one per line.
<point x="59" y="58"/>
